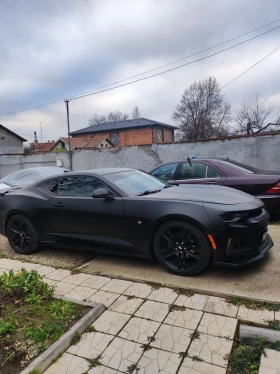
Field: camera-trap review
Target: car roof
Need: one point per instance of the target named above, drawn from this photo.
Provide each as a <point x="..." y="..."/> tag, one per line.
<point x="103" y="171"/>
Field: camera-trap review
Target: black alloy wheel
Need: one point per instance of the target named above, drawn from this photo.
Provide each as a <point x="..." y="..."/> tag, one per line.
<point x="21" y="235"/>
<point x="182" y="248"/>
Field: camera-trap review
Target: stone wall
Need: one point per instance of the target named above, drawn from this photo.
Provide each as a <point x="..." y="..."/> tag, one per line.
<point x="260" y="151"/>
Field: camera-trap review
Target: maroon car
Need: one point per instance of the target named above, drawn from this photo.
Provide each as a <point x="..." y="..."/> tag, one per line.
<point x="226" y="172"/>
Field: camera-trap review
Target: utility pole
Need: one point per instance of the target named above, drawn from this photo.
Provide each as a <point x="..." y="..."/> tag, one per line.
<point x="41" y="132"/>
<point x="68" y="124"/>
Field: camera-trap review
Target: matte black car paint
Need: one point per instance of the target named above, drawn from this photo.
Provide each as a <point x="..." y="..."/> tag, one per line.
<point x="126" y="224"/>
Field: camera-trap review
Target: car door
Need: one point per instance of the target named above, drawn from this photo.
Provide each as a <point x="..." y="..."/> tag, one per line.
<point x="166" y="172"/>
<point x="198" y="172"/>
<point x="76" y="218"/>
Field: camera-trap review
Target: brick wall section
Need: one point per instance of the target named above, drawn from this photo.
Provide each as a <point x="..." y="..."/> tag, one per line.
<point x="128" y="138"/>
<point x="136" y="137"/>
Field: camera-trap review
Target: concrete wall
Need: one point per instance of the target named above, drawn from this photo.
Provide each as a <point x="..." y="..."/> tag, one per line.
<point x="10" y="143"/>
<point x="260" y="151"/>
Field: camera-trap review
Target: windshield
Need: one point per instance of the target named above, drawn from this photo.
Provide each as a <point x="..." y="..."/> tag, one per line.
<point x="135" y="182"/>
<point x="242" y="167"/>
<point x="23" y="177"/>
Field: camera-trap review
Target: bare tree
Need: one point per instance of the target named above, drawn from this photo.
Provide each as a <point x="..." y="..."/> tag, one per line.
<point x="29" y="147"/>
<point x="116" y="116"/>
<point x="253" y="115"/>
<point x="135" y="113"/>
<point x="203" y="111"/>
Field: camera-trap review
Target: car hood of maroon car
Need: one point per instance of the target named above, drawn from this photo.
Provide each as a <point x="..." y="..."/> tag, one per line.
<point x="204" y="194"/>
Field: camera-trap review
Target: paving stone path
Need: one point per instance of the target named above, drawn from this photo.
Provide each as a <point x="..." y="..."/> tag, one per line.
<point x="146" y="330"/>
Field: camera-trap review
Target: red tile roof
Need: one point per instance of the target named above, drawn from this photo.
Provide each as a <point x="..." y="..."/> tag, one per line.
<point x="44" y="147"/>
<point x="85" y="142"/>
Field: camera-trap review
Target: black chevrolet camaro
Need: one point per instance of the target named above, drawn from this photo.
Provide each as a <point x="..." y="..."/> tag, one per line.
<point x="128" y="212"/>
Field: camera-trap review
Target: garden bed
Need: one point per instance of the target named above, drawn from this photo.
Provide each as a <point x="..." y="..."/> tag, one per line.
<point x="30" y="319"/>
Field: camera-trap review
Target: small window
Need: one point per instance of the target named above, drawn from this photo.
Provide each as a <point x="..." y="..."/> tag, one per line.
<point x="211" y="173"/>
<point x="2" y="137"/>
<point x="159" y="135"/>
<point x="50" y="185"/>
<point x="165" y="172"/>
<point x="194" y="171"/>
<point x="115" y="138"/>
<point x="170" y="138"/>
<point x="79" y="186"/>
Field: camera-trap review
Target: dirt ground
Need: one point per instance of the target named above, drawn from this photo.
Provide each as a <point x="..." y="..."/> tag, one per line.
<point x="61" y="258"/>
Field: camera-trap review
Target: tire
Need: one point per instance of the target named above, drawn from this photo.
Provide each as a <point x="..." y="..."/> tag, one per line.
<point x="21" y="235"/>
<point x="182" y="248"/>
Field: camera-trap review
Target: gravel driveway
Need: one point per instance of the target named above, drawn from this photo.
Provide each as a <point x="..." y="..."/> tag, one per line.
<point x="62" y="258"/>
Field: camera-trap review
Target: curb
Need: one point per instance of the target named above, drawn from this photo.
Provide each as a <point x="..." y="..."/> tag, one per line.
<point x="42" y="362"/>
<point x="247" y="333"/>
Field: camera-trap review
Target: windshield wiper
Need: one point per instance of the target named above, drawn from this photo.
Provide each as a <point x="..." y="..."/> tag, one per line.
<point x="148" y="192"/>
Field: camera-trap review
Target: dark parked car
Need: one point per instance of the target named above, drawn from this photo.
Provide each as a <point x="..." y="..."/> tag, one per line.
<point x="226" y="172"/>
<point x="21" y="178"/>
<point x="126" y="211"/>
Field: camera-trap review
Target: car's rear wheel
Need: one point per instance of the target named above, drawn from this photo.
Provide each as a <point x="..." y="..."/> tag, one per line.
<point x="181" y="247"/>
<point x="21" y="235"/>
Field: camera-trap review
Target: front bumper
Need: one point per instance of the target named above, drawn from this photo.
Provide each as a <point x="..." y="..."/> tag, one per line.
<point x="250" y="258"/>
<point x="243" y="242"/>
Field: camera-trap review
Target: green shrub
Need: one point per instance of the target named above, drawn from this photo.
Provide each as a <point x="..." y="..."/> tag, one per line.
<point x="27" y="285"/>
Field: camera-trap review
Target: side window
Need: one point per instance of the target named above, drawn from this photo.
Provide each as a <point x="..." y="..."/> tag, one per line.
<point x="194" y="171"/>
<point x="159" y="135"/>
<point x="78" y="186"/>
<point x="115" y="138"/>
<point x="165" y="172"/>
<point x="50" y="185"/>
<point x="211" y="173"/>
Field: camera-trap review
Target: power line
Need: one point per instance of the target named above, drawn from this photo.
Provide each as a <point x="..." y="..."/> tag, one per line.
<point x="244" y="72"/>
<point x="56" y="101"/>
<point x="173" y="62"/>
<point x="176" y="67"/>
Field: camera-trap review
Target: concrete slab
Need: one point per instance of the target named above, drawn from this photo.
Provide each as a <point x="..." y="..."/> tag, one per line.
<point x="221" y="281"/>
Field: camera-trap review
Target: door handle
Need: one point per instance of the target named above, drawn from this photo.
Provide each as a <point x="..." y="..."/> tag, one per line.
<point x="58" y="205"/>
<point x="211" y="182"/>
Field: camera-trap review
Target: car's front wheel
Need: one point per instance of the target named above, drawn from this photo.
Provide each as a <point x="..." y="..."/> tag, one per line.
<point x="21" y="235"/>
<point x="181" y="247"/>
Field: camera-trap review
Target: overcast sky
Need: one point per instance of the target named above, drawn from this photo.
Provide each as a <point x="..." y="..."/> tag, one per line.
<point x="54" y="49"/>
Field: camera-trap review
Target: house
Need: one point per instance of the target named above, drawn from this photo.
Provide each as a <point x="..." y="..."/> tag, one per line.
<point x="10" y="142"/>
<point x="42" y="147"/>
<point x="140" y="131"/>
<point x="62" y="144"/>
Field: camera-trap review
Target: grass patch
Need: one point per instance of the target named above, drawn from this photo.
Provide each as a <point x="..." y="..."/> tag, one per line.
<point x="195" y="335"/>
<point x="30" y="319"/>
<point x="130" y="369"/>
<point x="183" y="291"/>
<point x="94" y="362"/>
<point x="75" y="338"/>
<point x="253" y="304"/>
<point x="91" y="329"/>
<point x="274" y="325"/>
<point x="246" y="359"/>
<point x="153" y="285"/>
<point x="173" y="308"/>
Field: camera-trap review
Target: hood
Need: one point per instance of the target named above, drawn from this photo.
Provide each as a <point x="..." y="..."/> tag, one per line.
<point x="203" y="194"/>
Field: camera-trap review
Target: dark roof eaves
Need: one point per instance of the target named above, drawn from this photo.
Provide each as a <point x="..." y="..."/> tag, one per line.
<point x="107" y="127"/>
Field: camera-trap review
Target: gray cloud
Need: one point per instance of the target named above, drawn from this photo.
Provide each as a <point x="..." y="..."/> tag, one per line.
<point x="54" y="49"/>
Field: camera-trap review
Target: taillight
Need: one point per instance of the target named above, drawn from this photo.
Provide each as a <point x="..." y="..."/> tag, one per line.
<point x="274" y="189"/>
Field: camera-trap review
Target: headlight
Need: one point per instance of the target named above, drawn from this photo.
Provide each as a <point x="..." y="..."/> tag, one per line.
<point x="234" y="217"/>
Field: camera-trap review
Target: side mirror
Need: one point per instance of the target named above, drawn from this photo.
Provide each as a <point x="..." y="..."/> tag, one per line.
<point x="101" y="193"/>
